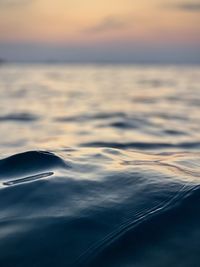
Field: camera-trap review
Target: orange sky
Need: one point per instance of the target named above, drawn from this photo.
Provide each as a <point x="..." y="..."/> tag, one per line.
<point x="86" y="22"/>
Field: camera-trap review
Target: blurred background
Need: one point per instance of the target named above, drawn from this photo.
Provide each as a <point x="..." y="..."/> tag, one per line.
<point x="153" y="31"/>
<point x="109" y="73"/>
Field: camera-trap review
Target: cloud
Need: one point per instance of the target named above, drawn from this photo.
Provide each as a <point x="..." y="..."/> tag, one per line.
<point x="189" y="6"/>
<point x="108" y="23"/>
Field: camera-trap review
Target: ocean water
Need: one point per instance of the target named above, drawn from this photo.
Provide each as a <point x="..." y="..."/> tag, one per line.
<point x="100" y="166"/>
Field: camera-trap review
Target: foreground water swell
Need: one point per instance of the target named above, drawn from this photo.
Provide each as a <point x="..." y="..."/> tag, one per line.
<point x="99" y="166"/>
<point x="99" y="207"/>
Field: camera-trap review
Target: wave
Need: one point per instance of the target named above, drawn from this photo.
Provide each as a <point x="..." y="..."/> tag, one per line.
<point x="101" y="207"/>
<point x="142" y="145"/>
<point x="152" y="231"/>
<point x="21" y="117"/>
<point x="87" y="117"/>
<point x="30" y="162"/>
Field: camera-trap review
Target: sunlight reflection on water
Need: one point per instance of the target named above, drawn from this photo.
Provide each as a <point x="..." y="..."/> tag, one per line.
<point x="109" y="174"/>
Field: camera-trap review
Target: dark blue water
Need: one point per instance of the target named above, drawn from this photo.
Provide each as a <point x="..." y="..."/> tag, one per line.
<point x="99" y="166"/>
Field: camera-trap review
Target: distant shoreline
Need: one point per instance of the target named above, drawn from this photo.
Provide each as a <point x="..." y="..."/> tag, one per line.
<point x="117" y="63"/>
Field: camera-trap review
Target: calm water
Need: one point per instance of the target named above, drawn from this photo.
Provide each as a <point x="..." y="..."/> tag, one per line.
<point x="100" y="166"/>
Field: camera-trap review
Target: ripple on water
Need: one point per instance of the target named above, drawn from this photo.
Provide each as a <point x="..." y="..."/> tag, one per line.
<point x="120" y="186"/>
<point x="19" y="117"/>
<point x="101" y="207"/>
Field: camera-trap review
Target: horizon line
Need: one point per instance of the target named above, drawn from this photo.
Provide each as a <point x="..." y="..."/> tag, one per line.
<point x="99" y="62"/>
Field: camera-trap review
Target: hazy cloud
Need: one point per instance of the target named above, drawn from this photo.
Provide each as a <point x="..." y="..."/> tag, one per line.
<point x="108" y="23"/>
<point x="189" y="6"/>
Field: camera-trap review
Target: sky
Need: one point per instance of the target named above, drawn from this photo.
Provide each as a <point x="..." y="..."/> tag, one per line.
<point x="163" y="31"/>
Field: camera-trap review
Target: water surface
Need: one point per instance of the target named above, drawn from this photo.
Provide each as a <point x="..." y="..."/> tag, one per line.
<point x="99" y="165"/>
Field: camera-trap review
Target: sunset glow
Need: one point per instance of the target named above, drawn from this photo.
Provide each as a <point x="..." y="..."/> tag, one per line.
<point x="88" y="23"/>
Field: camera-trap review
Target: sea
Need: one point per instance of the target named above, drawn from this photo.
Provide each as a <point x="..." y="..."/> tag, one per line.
<point x="99" y="165"/>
